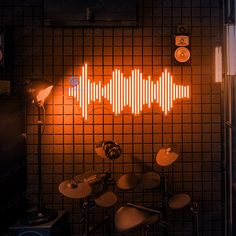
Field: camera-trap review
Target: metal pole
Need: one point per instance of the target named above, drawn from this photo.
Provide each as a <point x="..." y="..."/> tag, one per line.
<point x="39" y="161"/>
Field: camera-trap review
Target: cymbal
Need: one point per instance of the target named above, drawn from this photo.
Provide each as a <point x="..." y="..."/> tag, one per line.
<point x="106" y="199"/>
<point x="166" y="156"/>
<point x="127" y="181"/>
<point x="179" y="201"/>
<point x="150" y="180"/>
<point x="75" y="190"/>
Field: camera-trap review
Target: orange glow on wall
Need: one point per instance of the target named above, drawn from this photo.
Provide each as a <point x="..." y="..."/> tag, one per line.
<point x="134" y="92"/>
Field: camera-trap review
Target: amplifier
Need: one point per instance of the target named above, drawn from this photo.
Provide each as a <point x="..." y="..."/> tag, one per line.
<point x="58" y="227"/>
<point x="2" y="55"/>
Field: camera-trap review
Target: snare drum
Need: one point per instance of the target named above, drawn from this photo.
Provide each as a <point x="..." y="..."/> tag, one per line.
<point x="179" y="201"/>
<point x="127" y="182"/>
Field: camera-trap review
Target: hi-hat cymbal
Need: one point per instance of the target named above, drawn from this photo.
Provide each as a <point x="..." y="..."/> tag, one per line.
<point x="72" y="189"/>
<point x="166" y="156"/>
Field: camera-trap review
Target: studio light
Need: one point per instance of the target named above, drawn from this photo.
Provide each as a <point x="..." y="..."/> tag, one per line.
<point x="38" y="91"/>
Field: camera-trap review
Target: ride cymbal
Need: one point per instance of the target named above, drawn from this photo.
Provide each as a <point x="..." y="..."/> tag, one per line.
<point x="166" y="156"/>
<point x="72" y="189"/>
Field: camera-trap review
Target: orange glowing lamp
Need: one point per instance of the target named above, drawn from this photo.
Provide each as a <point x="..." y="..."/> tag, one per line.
<point x="43" y="94"/>
<point x="39" y="91"/>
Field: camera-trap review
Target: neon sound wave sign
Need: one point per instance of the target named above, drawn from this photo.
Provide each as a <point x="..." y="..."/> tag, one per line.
<point x="133" y="91"/>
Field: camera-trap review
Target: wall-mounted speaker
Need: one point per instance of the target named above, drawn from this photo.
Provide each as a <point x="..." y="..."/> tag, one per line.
<point x="182" y="51"/>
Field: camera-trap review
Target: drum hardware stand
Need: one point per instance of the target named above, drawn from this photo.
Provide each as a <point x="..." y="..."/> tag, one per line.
<point x="86" y="205"/>
<point x="195" y="210"/>
<point x="165" y="202"/>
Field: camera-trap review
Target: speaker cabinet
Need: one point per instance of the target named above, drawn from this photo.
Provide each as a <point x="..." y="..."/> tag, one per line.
<point x="1" y="48"/>
<point x="182" y="51"/>
<point x="58" y="227"/>
<point x="7" y="48"/>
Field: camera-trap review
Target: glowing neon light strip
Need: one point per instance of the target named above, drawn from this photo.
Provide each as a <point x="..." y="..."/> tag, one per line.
<point x="134" y="92"/>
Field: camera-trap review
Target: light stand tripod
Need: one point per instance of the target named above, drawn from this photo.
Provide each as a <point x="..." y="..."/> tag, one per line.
<point x="39" y="91"/>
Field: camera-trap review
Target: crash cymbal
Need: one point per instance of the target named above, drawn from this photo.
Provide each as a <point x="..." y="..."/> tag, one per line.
<point x="166" y="156"/>
<point x="106" y="199"/>
<point x="150" y="180"/>
<point x="179" y="201"/>
<point x="75" y="190"/>
<point x="127" y="182"/>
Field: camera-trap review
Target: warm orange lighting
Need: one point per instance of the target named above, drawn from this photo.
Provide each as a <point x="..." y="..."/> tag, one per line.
<point x="42" y="95"/>
<point x="134" y="92"/>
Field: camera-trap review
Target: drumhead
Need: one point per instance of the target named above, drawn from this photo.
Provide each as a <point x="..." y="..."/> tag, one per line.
<point x="106" y="199"/>
<point x="129" y="218"/>
<point x="127" y="182"/>
<point x="179" y="201"/>
<point x="150" y="180"/>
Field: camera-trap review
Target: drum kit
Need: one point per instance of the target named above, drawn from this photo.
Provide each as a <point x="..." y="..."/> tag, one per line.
<point x="130" y="217"/>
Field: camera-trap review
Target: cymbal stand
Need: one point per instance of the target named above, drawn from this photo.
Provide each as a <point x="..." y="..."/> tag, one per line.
<point x="87" y="204"/>
<point x="85" y="216"/>
<point x="165" y="201"/>
<point x="195" y="210"/>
